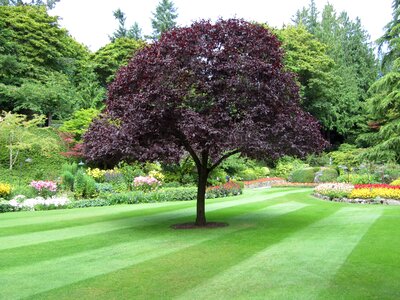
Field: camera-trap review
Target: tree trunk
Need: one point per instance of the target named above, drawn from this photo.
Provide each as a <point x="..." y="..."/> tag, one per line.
<point x="49" y="119"/>
<point x="201" y="196"/>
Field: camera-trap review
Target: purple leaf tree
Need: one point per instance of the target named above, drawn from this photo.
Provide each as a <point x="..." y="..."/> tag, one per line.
<point x="210" y="90"/>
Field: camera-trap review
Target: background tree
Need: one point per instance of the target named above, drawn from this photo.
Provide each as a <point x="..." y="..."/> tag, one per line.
<point x="384" y="103"/>
<point x="122" y="32"/>
<point x="50" y="4"/>
<point x="308" y="59"/>
<point x="208" y="90"/>
<point x="42" y="69"/>
<point x="18" y="134"/>
<point x="163" y="18"/>
<point x="108" y="59"/>
<point x="355" y="67"/>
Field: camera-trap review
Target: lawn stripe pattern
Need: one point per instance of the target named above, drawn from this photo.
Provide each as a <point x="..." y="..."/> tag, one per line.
<point x="280" y="244"/>
<point x="313" y="254"/>
<point x="13" y="241"/>
<point x="66" y="270"/>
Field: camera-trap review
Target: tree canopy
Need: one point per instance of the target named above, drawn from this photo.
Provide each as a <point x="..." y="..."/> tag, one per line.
<point x="43" y="69"/>
<point x="210" y="90"/>
<point x="163" y="18"/>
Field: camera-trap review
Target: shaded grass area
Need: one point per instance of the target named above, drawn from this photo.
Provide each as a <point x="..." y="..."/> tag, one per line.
<point x="280" y="243"/>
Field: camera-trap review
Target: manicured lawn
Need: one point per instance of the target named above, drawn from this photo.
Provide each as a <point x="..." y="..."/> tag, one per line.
<point x="281" y="244"/>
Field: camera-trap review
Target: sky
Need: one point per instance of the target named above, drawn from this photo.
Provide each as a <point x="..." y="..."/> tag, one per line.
<point x="91" y="21"/>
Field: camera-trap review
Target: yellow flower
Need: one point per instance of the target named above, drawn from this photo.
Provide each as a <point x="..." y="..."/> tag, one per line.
<point x="5" y="189"/>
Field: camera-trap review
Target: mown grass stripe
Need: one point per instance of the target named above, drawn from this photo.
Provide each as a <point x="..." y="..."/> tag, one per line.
<point x="20" y="240"/>
<point x="50" y="274"/>
<point x="53" y="249"/>
<point x="298" y="267"/>
<point x="76" y="217"/>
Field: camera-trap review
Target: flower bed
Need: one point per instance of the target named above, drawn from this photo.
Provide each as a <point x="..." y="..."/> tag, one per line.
<point x="294" y="184"/>
<point x="371" y="191"/>
<point x="230" y="188"/>
<point x="359" y="193"/>
<point x="263" y="182"/>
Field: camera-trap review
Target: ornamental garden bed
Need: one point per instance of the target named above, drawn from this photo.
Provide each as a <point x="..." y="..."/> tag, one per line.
<point x="359" y="193"/>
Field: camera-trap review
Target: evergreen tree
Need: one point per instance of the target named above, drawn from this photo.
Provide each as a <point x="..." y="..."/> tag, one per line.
<point x="348" y="45"/>
<point x="384" y="103"/>
<point x="163" y="18"/>
<point x="122" y="32"/>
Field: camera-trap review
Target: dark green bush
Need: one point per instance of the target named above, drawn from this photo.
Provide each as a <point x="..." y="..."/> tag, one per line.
<point x="90" y="187"/>
<point x="303" y="175"/>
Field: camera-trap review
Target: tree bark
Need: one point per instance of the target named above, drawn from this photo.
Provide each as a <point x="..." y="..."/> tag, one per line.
<point x="201" y="196"/>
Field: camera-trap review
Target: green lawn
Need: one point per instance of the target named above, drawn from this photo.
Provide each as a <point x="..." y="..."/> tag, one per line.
<point x="281" y="244"/>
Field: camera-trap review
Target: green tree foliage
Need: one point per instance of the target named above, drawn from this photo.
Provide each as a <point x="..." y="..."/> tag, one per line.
<point x="49" y="3"/>
<point x="17" y="134"/>
<point x="355" y="68"/>
<point x="384" y="103"/>
<point x="79" y="122"/>
<point x="108" y="59"/>
<point x="135" y="32"/>
<point x="42" y="69"/>
<point x="163" y="18"/>
<point x="307" y="57"/>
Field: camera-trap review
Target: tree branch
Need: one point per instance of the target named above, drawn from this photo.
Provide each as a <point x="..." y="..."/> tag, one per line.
<point x="223" y="157"/>
<point x="188" y="148"/>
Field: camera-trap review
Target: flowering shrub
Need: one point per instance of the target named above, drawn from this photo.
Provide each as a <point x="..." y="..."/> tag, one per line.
<point x="157" y="175"/>
<point x="5" y="190"/>
<point x="96" y="173"/>
<point x="146" y="183"/>
<point x="370" y="191"/>
<point x="44" y="188"/>
<point x="39" y="203"/>
<point x="224" y="190"/>
<point x="334" y="190"/>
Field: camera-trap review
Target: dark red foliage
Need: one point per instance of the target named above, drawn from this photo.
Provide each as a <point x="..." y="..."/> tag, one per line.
<point x="74" y="149"/>
<point x="207" y="89"/>
<point x="211" y="90"/>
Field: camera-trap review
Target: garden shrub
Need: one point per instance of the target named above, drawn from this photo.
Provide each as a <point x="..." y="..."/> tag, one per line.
<point x="5" y="206"/>
<point x="354" y="178"/>
<point x="79" y="184"/>
<point x="230" y="188"/>
<point x="24" y="190"/>
<point x="328" y="175"/>
<point x="217" y="176"/>
<point x="5" y="190"/>
<point x="262" y="171"/>
<point x="104" y="188"/>
<point x="67" y="181"/>
<point x="286" y="165"/>
<point x="303" y="175"/>
<point x="347" y="155"/>
<point x="90" y="187"/>
<point x="89" y="203"/>
<point x="247" y="174"/>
